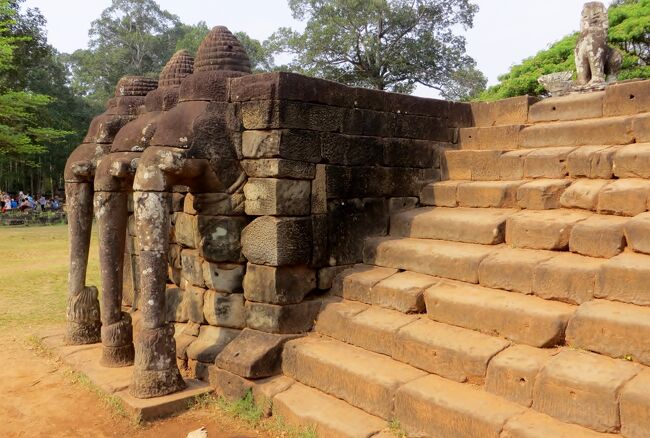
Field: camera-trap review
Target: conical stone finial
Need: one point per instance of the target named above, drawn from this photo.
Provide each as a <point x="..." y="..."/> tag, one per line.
<point x="180" y="65"/>
<point x="221" y="50"/>
<point x="135" y="86"/>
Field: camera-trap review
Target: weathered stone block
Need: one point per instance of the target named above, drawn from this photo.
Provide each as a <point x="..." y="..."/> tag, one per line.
<point x="433" y="406"/>
<point x="624" y="197"/>
<point x="549" y="229"/>
<point x="253" y="354"/>
<point x="440" y="194"/>
<point x="572" y="107"/>
<point x="511" y="374"/>
<point x="583" y="194"/>
<point x="485" y="194"/>
<point x="458" y="261"/>
<point x="356" y="283"/>
<point x="502" y="112"/>
<point x="219" y="237"/>
<point x="632" y="161"/>
<point x="173" y="305"/>
<point x="599" y="236"/>
<point x="280" y="197"/>
<point x="192" y="267"/>
<point x="501" y="138"/>
<point x="403" y="291"/>
<point x="511" y="165"/>
<point x="224" y="277"/>
<point x="548" y="162"/>
<point x="287" y="319"/>
<point x="228" y="385"/>
<point x="614" y="329"/>
<point x="641" y="128"/>
<point x="627" y="98"/>
<point x="185" y="230"/>
<point x="278" y="168"/>
<point x="351" y="150"/>
<point x="578" y="133"/>
<point x="291" y="86"/>
<point x="327" y="275"/>
<point x="521" y="318"/>
<point x="592" y="162"/>
<point x="543" y="194"/>
<point x="289" y="144"/>
<point x="278" y="241"/>
<point x="399" y="152"/>
<point x="278" y="285"/>
<point x="283" y="114"/>
<point x="349" y="223"/>
<point x="397" y="205"/>
<point x="511" y="269"/>
<point x="637" y="233"/>
<point x="535" y="425"/>
<point x="570" y="278"/>
<point x="215" y="204"/>
<point x="192" y="304"/>
<point x="635" y="407"/>
<point x="448" y="351"/>
<point x="471" y="165"/>
<point x="224" y="309"/>
<point x="375" y="329"/>
<point x="210" y="342"/>
<point x="582" y="388"/>
<point x="625" y="278"/>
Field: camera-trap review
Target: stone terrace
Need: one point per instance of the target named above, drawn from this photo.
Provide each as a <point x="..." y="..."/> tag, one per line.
<point x="474" y="270"/>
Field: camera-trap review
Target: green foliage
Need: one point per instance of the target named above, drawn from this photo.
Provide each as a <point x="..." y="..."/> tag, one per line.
<point x="629" y="31"/>
<point x="131" y="37"/>
<point x="33" y="98"/>
<point x="191" y="36"/>
<point x="384" y="44"/>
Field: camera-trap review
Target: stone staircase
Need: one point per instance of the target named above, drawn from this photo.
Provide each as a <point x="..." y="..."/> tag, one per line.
<point x="513" y="303"/>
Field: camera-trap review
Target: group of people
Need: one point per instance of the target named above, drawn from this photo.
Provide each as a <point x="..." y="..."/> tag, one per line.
<point x="26" y="202"/>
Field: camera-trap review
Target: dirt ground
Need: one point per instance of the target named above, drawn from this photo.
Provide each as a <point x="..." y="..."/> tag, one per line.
<point x="39" y="400"/>
<point x="38" y="397"/>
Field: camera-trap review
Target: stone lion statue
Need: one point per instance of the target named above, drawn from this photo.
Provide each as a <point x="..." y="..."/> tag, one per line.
<point x="595" y="60"/>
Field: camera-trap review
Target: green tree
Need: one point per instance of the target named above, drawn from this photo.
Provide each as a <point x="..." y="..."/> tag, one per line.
<point x="384" y="44"/>
<point x="34" y="123"/>
<point x="130" y="37"/>
<point x="629" y="31"/>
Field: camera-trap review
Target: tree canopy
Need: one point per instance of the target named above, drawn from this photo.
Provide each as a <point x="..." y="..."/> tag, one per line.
<point x="629" y="31"/>
<point x="384" y="44"/>
<point x="38" y="113"/>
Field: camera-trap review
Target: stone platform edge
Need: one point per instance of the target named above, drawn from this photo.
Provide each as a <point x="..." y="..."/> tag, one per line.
<point x="115" y="381"/>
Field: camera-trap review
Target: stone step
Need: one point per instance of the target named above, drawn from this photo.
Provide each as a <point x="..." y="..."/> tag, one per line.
<point x="504" y="137"/>
<point x="325" y="415"/>
<point x="564" y="108"/>
<point x="475" y="194"/>
<point x="614" y="329"/>
<point x="583" y="388"/>
<point x="548" y="229"/>
<point x="356" y="283"/>
<point x="452" y="352"/>
<point x="599" y="236"/>
<point x="607" y="131"/>
<point x="453" y="260"/>
<point x="625" y="278"/>
<point x="521" y="318"/>
<point x="535" y="425"/>
<point x="471" y="225"/>
<point x="436" y="407"/>
<point x="362" y="378"/>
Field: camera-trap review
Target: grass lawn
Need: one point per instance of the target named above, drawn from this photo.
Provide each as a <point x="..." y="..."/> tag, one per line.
<point x="34" y="275"/>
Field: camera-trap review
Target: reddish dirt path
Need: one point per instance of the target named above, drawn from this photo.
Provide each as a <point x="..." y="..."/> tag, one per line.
<point x="38" y="400"/>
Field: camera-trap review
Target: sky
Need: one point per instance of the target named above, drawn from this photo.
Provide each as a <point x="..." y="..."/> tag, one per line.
<point x="504" y="33"/>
